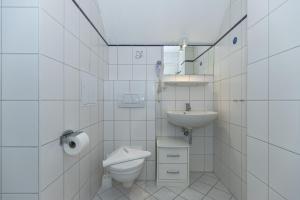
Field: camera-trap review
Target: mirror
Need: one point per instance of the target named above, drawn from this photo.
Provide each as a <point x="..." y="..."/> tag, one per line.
<point x="187" y="61"/>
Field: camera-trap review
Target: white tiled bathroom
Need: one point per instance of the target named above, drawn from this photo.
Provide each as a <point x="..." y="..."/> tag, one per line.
<point x="149" y="100"/>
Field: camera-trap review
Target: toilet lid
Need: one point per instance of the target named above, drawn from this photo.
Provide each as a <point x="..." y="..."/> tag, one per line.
<point x="127" y="165"/>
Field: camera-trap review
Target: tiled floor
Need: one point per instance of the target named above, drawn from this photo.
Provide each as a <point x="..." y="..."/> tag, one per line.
<point x="204" y="186"/>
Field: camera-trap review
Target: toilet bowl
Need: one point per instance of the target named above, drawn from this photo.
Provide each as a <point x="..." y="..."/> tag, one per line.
<point x="125" y="164"/>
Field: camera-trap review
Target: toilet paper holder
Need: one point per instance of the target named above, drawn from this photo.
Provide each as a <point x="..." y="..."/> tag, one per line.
<point x="64" y="138"/>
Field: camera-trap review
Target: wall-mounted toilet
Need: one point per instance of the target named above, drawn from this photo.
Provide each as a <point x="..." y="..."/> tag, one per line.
<point x="125" y="164"/>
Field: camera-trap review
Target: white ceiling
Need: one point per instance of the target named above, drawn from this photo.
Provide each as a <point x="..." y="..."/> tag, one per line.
<point x="162" y="21"/>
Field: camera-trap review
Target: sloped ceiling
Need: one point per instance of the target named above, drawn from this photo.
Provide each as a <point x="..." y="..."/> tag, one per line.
<point x="162" y="21"/>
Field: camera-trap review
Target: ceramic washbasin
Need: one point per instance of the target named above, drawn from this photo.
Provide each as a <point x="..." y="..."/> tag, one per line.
<point x="191" y="119"/>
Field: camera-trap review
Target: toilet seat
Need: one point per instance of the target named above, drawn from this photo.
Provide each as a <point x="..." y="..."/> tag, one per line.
<point x="127" y="166"/>
<point x="125" y="155"/>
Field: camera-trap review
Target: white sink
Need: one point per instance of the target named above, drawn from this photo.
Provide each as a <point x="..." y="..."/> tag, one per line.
<point x="191" y="119"/>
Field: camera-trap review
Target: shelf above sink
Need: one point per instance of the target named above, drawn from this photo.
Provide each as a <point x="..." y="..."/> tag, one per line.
<point x="186" y="83"/>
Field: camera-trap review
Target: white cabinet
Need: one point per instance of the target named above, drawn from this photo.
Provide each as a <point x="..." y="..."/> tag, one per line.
<point x="172" y="161"/>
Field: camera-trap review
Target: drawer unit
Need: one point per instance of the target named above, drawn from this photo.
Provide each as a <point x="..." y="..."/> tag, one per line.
<point x="172" y="155"/>
<point x="173" y="172"/>
<point x="172" y="161"/>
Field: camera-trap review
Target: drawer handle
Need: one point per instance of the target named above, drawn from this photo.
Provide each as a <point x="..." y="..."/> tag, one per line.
<point x="173" y="156"/>
<point x="173" y="172"/>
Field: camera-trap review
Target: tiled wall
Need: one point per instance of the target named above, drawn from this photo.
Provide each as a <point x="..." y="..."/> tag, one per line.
<point x="131" y="126"/>
<point x="48" y="46"/>
<point x="201" y="98"/>
<point x="273" y="92"/>
<point x="230" y="76"/>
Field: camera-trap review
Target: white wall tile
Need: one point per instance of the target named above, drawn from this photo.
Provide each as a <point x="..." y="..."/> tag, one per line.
<point x="257" y="119"/>
<point x="20" y="30"/>
<point x="284" y="82"/>
<point x="72" y="18"/>
<point x="182" y="93"/>
<point x="113" y="72"/>
<point x="20" y="196"/>
<point x="71" y="83"/>
<point x="108" y="90"/>
<point x="14" y="180"/>
<point x="258" y="41"/>
<point x="19" y="3"/>
<point x="197" y="93"/>
<point x="124" y="72"/>
<point x="50" y="37"/>
<point x="53" y="191"/>
<point x="257" y="88"/>
<point x="71" y="49"/>
<point x="273" y="4"/>
<point x="122" y="130"/>
<point x="71" y="115"/>
<point x="236" y="137"/>
<point x="257" y="9"/>
<point x="150" y="130"/>
<point x="113" y="55"/>
<point x="256" y="189"/>
<point x="120" y="88"/>
<point x="55" y="8"/>
<point x="19" y="77"/>
<point x="284" y="118"/>
<point x="151" y="74"/>
<point x="71" y="182"/>
<point x="284" y="18"/>
<point x="150" y="110"/>
<point x="138" y="130"/>
<point x="124" y="55"/>
<point x="138" y="87"/>
<point x="257" y="152"/>
<point x="108" y="110"/>
<point x="283" y="165"/>
<point x="19" y="123"/>
<point x="139" y="72"/>
<point x="51" y="163"/>
<point x="50" y="79"/>
<point x="84" y="170"/>
<point x="50" y="120"/>
<point x="108" y="130"/>
<point x="139" y="113"/>
<point x="84" y="57"/>
<point x="139" y="55"/>
<point x="154" y="54"/>
<point x="84" y="116"/>
<point x="121" y="113"/>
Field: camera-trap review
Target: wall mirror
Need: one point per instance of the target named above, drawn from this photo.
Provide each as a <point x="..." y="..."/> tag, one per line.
<point x="191" y="60"/>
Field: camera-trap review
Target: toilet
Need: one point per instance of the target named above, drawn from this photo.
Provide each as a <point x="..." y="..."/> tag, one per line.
<point x="125" y="164"/>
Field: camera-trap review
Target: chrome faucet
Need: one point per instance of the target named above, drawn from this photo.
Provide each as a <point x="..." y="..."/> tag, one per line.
<point x="188" y="107"/>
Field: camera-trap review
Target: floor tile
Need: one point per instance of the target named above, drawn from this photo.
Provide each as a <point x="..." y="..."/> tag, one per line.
<point x="201" y="187"/>
<point x="136" y="193"/>
<point x="194" y="176"/>
<point x="151" y="198"/>
<point x="222" y="187"/>
<point x="176" y="189"/>
<point x="96" y="198"/>
<point x="208" y="179"/>
<point x="110" y="194"/>
<point x="219" y="195"/>
<point x="164" y="194"/>
<point x="179" y="198"/>
<point x="149" y="186"/>
<point x="190" y="194"/>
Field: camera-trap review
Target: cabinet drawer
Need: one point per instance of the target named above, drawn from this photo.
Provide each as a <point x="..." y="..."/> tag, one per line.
<point x="172" y="155"/>
<point x="173" y="171"/>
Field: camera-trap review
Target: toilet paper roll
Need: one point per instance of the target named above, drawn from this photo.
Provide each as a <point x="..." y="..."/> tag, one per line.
<point x="76" y="144"/>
